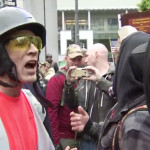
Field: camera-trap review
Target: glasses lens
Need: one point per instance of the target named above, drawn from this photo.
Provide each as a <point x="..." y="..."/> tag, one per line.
<point x="23" y="42"/>
<point x="19" y="43"/>
<point x="36" y="40"/>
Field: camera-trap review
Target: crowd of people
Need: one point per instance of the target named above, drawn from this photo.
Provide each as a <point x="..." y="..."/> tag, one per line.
<point x="86" y="105"/>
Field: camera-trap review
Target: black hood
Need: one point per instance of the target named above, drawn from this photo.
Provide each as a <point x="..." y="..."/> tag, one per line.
<point x="147" y="77"/>
<point x="128" y="80"/>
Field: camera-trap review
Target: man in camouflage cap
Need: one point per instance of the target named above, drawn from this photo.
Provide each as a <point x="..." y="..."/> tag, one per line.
<point x="60" y="114"/>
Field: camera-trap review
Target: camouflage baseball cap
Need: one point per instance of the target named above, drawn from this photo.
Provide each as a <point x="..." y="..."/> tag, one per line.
<point x="74" y="50"/>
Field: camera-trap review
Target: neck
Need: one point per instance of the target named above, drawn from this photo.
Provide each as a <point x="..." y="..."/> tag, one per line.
<point x="102" y="66"/>
<point x="13" y="92"/>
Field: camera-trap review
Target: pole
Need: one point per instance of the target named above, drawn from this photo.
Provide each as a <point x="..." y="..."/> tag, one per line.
<point x="2" y="3"/>
<point x="76" y="23"/>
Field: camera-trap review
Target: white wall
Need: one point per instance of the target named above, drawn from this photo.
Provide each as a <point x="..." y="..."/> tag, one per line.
<point x="19" y="3"/>
<point x="86" y="35"/>
<point x="52" y="28"/>
<point x="64" y="36"/>
<point x="97" y="4"/>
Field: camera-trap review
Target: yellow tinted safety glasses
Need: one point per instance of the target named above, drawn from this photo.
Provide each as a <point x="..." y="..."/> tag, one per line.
<point x="23" y="42"/>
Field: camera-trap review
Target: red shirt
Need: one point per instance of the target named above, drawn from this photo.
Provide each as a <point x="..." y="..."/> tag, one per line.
<point x="18" y="120"/>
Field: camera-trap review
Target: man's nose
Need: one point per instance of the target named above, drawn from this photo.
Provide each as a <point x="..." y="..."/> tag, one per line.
<point x="33" y="50"/>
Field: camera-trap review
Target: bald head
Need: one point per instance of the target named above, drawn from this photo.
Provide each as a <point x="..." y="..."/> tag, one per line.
<point x="99" y="48"/>
<point x="96" y="54"/>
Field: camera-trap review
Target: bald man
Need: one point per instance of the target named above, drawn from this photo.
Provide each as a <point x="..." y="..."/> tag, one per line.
<point x="102" y="72"/>
<point x="92" y="92"/>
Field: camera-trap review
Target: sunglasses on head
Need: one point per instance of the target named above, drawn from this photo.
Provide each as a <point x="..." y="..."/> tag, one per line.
<point x="23" y="42"/>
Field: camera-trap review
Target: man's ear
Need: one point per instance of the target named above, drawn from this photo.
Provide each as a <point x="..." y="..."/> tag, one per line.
<point x="96" y="54"/>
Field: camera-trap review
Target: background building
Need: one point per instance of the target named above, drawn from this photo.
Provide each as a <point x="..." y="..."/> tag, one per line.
<point x="98" y="21"/>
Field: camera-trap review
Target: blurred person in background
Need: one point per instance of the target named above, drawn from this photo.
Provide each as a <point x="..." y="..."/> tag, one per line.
<point x="52" y="63"/>
<point x="123" y="32"/>
<point x="47" y="71"/>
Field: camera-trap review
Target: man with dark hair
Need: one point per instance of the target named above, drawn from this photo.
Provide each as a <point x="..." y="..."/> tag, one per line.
<point x="60" y="114"/>
<point x="51" y="62"/>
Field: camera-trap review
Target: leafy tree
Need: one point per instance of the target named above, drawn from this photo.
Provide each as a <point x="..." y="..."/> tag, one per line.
<point x="144" y="5"/>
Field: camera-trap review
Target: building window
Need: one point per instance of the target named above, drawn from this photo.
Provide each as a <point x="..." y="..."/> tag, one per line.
<point x="70" y="23"/>
<point x="97" y="21"/>
<point x="82" y="20"/>
<point x="83" y="25"/>
<point x="59" y="15"/>
<point x="112" y="24"/>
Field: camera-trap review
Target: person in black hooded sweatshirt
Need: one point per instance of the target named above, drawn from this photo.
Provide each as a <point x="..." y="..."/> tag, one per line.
<point x="147" y="77"/>
<point x="127" y="125"/>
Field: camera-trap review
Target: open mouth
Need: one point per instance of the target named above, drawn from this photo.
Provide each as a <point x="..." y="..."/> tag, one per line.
<point x="31" y="64"/>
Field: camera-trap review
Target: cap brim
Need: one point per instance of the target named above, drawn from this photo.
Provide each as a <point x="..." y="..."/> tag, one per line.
<point x="75" y="55"/>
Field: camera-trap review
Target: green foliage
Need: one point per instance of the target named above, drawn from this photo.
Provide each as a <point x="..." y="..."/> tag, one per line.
<point x="144" y="5"/>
